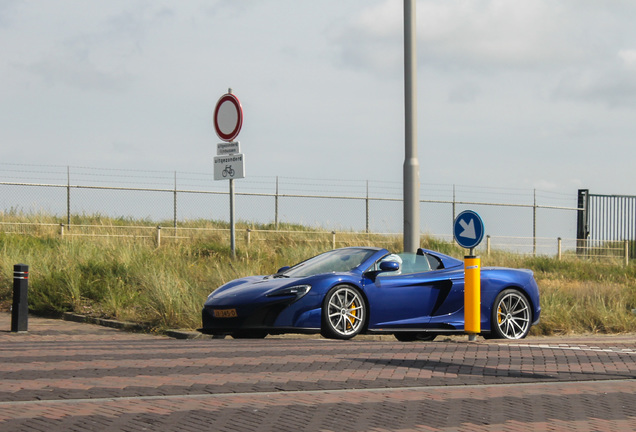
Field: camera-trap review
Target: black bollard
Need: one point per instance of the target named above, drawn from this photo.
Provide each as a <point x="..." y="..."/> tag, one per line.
<point x="20" y="310"/>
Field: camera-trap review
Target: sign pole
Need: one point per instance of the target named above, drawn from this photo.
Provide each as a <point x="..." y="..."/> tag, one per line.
<point x="468" y="231"/>
<point x="229" y="162"/>
<point x="232" y="227"/>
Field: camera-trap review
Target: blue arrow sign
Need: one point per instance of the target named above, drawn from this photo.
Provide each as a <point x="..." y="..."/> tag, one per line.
<point x="468" y="229"/>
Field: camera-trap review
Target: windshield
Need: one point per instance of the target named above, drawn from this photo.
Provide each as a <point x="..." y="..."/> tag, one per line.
<point x="339" y="260"/>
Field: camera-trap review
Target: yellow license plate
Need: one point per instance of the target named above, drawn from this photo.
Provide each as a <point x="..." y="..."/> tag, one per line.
<point x="225" y="313"/>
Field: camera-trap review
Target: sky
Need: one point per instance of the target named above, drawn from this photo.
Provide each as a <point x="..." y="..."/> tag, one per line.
<point x="537" y="94"/>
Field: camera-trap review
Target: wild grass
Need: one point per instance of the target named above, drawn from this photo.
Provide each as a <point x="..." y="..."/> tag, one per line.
<point x="127" y="277"/>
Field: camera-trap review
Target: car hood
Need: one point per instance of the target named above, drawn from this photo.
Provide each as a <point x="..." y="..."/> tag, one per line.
<point x="252" y="286"/>
<point x="251" y="283"/>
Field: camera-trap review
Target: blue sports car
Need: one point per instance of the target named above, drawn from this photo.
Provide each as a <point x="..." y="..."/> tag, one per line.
<point x="348" y="291"/>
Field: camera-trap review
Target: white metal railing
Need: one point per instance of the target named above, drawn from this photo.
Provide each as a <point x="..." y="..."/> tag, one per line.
<point x="174" y="193"/>
<point x="365" y="206"/>
<point x="558" y="248"/>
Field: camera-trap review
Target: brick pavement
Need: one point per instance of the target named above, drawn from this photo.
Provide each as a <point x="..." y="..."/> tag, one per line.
<point x="69" y="376"/>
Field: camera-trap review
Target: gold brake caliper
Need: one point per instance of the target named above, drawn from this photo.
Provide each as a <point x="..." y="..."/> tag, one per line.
<point x="353" y="312"/>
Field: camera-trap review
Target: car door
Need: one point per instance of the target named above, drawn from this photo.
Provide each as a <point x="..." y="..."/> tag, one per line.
<point x="408" y="298"/>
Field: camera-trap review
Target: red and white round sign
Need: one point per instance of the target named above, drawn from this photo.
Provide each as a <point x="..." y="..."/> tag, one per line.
<point x="228" y="117"/>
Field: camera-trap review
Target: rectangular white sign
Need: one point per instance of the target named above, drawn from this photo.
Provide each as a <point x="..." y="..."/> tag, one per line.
<point x="227" y="148"/>
<point x="229" y="167"/>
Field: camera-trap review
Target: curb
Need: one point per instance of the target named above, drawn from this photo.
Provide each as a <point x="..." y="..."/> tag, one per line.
<point x="185" y="334"/>
<point x="131" y="327"/>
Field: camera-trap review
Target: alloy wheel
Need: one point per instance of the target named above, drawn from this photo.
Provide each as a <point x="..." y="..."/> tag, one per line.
<point x="344" y="313"/>
<point x="511" y="315"/>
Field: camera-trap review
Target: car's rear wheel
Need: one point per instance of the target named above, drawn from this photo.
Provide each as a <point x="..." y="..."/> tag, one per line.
<point x="344" y="313"/>
<point x="511" y="315"/>
<point x="415" y="336"/>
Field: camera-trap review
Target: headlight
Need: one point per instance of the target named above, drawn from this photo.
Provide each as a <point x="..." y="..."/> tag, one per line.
<point x="296" y="290"/>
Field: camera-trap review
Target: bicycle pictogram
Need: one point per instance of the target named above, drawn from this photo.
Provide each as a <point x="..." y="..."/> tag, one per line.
<point x="228" y="171"/>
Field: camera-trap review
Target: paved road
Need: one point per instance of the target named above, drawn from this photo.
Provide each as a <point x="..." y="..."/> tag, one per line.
<point x="66" y="376"/>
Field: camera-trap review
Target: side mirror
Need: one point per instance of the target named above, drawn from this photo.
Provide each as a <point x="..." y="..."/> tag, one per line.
<point x="387" y="266"/>
<point x="282" y="269"/>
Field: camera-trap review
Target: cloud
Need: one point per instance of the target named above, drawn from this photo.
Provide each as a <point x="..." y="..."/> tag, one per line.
<point x="100" y="54"/>
<point x="227" y="9"/>
<point x="628" y="57"/>
<point x="78" y="74"/>
<point x="489" y="33"/>
<point x="480" y="35"/>
<point x="7" y="8"/>
<point x="464" y="92"/>
<point x="372" y="40"/>
<point x="613" y="85"/>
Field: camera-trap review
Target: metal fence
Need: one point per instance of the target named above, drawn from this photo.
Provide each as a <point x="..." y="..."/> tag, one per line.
<point x="522" y="220"/>
<point x="606" y="221"/>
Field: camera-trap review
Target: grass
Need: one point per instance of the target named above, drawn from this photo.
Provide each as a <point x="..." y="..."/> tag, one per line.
<point x="129" y="278"/>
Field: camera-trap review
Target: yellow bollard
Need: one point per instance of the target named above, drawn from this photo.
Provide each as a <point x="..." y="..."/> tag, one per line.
<point x="472" y="295"/>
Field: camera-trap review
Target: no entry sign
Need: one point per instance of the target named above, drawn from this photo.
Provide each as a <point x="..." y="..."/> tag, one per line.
<point x="228" y="117"/>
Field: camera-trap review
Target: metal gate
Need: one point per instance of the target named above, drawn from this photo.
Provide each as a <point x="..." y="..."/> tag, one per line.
<point x="604" y="221"/>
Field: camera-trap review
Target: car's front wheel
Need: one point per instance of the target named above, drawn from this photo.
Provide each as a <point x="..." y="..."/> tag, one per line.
<point x="343" y="313"/>
<point x="511" y="315"/>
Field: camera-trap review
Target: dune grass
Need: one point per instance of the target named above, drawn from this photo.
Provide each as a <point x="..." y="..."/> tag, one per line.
<point x="131" y="279"/>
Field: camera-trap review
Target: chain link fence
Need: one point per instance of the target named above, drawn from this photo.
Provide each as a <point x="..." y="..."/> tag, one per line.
<point x="520" y="220"/>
